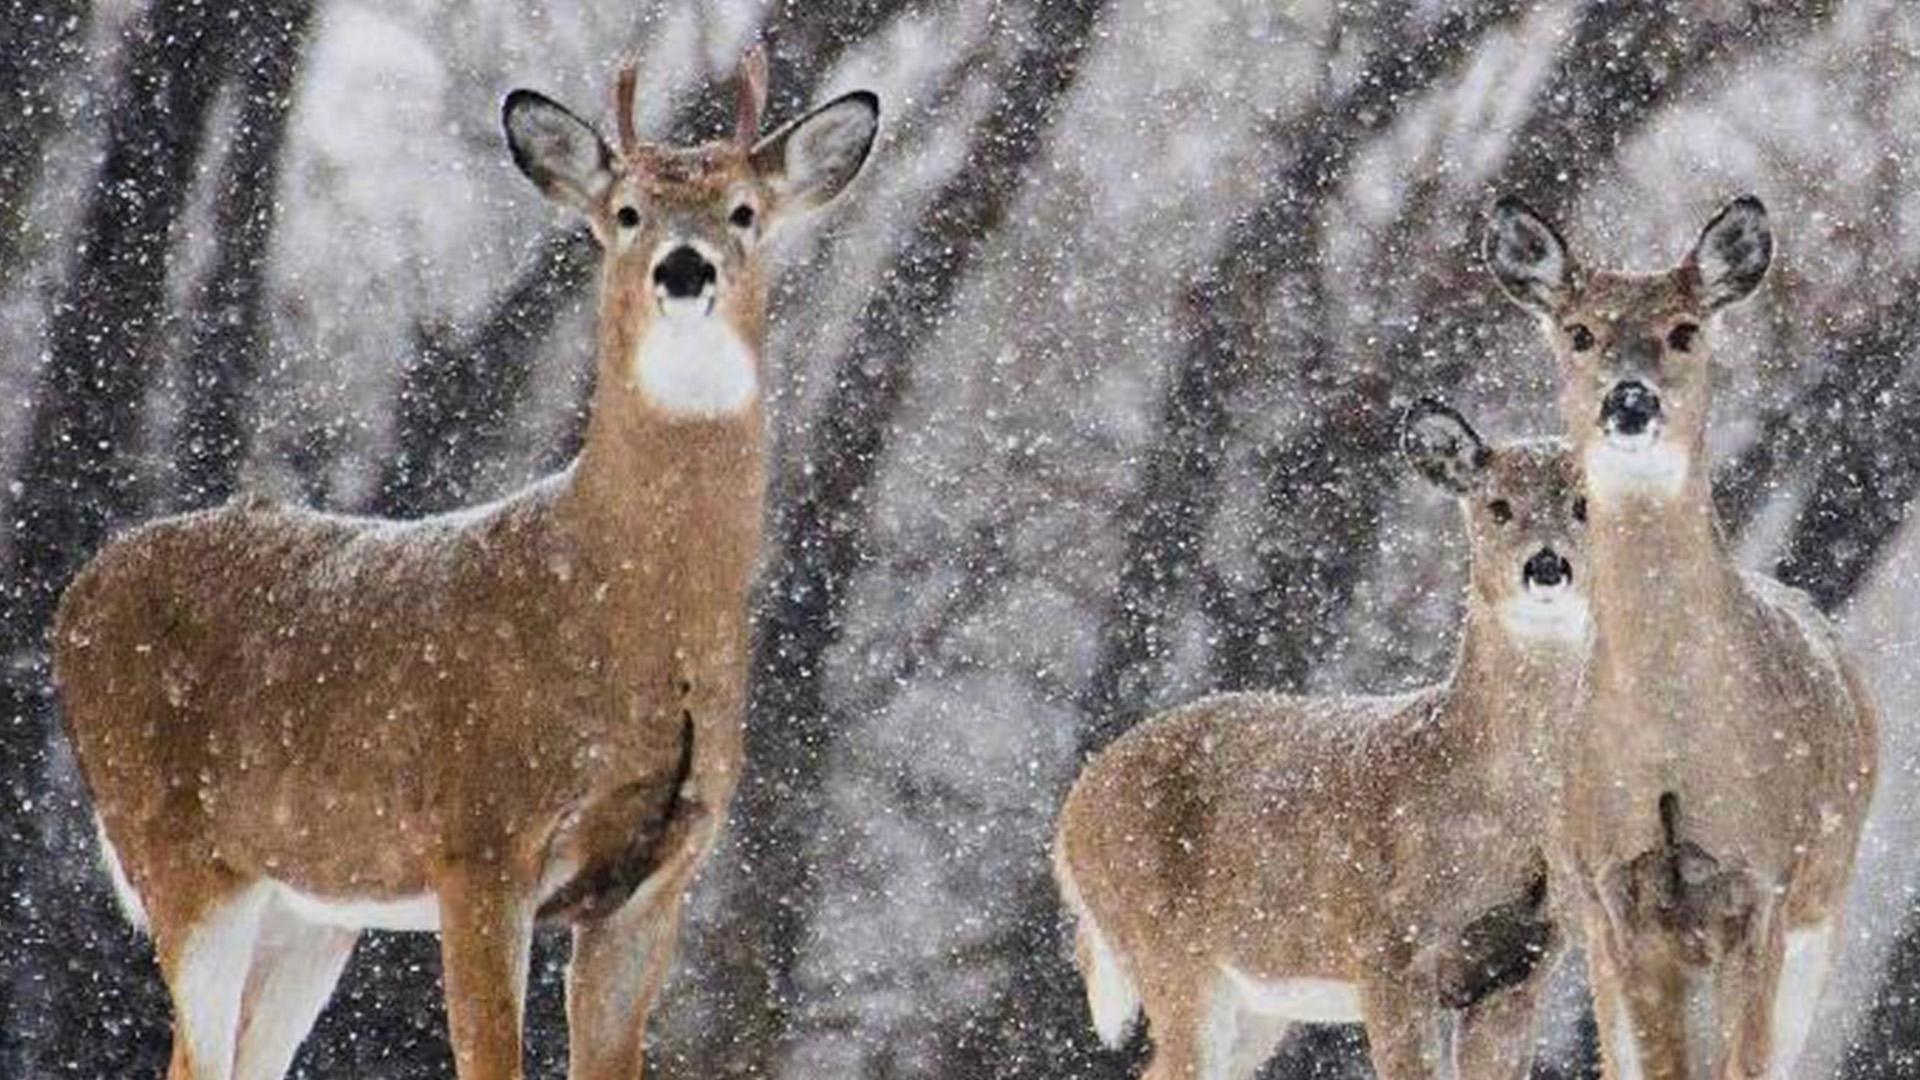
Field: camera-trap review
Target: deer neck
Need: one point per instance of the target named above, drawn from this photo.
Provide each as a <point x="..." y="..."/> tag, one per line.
<point x="664" y="499"/>
<point x="1661" y="578"/>
<point x="1517" y="693"/>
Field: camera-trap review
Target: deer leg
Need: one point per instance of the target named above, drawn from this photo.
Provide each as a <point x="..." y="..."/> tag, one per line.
<point x="1177" y="1021"/>
<point x="1403" y="1027"/>
<point x="1640" y="1003"/>
<point x="205" y="949"/>
<point x="1803" y="974"/>
<point x="1494" y="1038"/>
<point x="620" y="961"/>
<point x="486" y="930"/>
<point x="1746" y="980"/>
<point x="295" y="967"/>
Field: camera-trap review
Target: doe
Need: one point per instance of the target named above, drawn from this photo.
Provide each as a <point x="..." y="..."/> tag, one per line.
<point x="1253" y="860"/>
<point x="1720" y="773"/>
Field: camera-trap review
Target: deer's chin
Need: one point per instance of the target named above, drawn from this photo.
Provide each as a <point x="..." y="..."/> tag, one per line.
<point x="1555" y="617"/>
<point x="1629" y="466"/>
<point x="695" y="366"/>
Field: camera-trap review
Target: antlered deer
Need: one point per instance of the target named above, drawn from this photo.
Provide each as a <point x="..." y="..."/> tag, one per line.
<point x="296" y="726"/>
<point x="1725" y="757"/>
<point x="1253" y="860"/>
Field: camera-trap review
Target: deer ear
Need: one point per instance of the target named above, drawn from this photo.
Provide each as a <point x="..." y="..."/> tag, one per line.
<point x="1732" y="254"/>
<point x="1443" y="447"/>
<point x="1526" y="254"/>
<point x="810" y="160"/>
<point x="561" y="153"/>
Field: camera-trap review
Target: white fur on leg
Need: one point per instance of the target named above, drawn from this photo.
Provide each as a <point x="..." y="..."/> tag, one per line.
<point x="1803" y="972"/>
<point x="295" y="967"/>
<point x="1623" y="1044"/>
<point x="208" y="977"/>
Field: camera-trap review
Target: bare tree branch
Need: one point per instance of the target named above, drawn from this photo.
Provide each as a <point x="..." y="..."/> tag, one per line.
<point x="819" y="532"/>
<point x="227" y="326"/>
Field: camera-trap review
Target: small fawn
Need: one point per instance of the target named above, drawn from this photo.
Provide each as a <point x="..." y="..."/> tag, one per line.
<point x="296" y="726"/>
<point x="1721" y="769"/>
<point x="1253" y="860"/>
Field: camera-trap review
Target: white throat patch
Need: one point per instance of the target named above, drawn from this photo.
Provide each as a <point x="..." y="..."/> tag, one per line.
<point x="1550" y="616"/>
<point x="1654" y="469"/>
<point x="694" y="364"/>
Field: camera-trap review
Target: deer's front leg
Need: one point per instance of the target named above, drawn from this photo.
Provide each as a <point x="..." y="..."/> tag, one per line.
<point x="1403" y="1026"/>
<point x="1639" y="999"/>
<point x="1746" y="984"/>
<point x="486" y="925"/>
<point x="1494" y="1039"/>
<point x="619" y="961"/>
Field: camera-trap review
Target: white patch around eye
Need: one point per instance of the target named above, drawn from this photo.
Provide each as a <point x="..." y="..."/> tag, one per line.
<point x="692" y="363"/>
<point x="1623" y="466"/>
<point x="1550" y="615"/>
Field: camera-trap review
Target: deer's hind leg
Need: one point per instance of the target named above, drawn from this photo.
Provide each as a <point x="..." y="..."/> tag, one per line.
<point x="295" y="967"/>
<point x="205" y="921"/>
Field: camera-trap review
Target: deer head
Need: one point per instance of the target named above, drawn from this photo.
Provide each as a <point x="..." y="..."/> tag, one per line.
<point x="683" y="292"/>
<point x="1635" y="348"/>
<point x="1526" y="522"/>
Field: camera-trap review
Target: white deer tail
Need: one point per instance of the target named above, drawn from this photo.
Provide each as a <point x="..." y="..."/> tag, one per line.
<point x="1111" y="995"/>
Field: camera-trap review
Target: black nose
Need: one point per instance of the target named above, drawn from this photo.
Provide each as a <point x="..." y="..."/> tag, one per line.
<point x="684" y="273"/>
<point x="1630" y="407"/>
<point x="1547" y="568"/>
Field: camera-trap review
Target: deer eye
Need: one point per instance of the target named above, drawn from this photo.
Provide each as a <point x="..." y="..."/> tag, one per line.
<point x="1680" y="338"/>
<point x="742" y="216"/>
<point x="1502" y="511"/>
<point x="1580" y="508"/>
<point x="628" y="217"/>
<point x="1581" y="336"/>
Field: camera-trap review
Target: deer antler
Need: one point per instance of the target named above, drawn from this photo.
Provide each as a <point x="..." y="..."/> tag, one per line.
<point x="623" y="90"/>
<point x="750" y="95"/>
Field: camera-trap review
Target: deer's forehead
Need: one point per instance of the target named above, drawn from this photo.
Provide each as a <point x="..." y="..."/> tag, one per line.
<point x="690" y="177"/>
<point x="1544" y="472"/>
<point x="1633" y="297"/>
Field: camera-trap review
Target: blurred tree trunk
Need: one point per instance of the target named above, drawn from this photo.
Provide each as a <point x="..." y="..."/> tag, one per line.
<point x="227" y="325"/>
<point x="464" y="385"/>
<point x="104" y="350"/>
<point x="41" y="40"/>
<point x="821" y="517"/>
<point x="1180" y="480"/>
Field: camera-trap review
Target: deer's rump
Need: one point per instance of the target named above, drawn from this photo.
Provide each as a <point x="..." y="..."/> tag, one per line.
<point x="344" y="704"/>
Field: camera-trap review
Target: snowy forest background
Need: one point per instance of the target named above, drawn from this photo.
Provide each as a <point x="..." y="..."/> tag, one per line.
<point x="1085" y="404"/>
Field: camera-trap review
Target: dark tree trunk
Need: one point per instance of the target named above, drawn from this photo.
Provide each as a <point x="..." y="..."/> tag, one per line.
<point x="818" y="542"/>
<point x="40" y="39"/>
<point x="227" y="326"/>
<point x="104" y="349"/>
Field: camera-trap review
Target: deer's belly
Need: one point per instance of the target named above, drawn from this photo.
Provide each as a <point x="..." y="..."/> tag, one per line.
<point x="1302" y="1000"/>
<point x="417" y="912"/>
